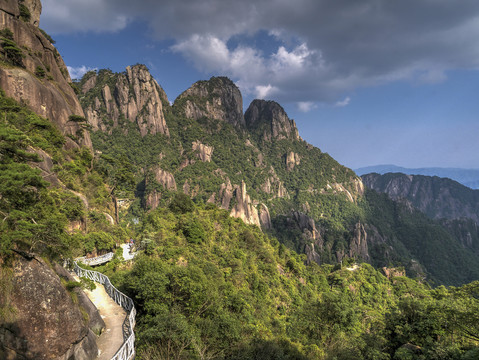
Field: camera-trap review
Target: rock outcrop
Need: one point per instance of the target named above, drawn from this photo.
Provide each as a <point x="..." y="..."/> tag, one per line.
<point x="95" y="321"/>
<point x="40" y="78"/>
<point x="436" y="197"/>
<point x="204" y="152"/>
<point x="225" y="194"/>
<point x="164" y="178"/>
<point x="292" y="159"/>
<point x="358" y="247"/>
<point x="244" y="208"/>
<point x="264" y="217"/>
<point x="133" y="95"/>
<point x="270" y="121"/>
<point x="218" y="98"/>
<point x="46" y="324"/>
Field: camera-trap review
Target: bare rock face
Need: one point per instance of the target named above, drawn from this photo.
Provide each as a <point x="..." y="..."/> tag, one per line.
<point x="244" y="207"/>
<point x="218" y="98"/>
<point x="95" y="321"/>
<point x="35" y="8"/>
<point x="167" y="180"/>
<point x="292" y="159"/>
<point x="135" y="95"/>
<point x="307" y="226"/>
<point x="264" y="217"/>
<point x="226" y="194"/>
<point x="338" y="188"/>
<point x="46" y="323"/>
<point x="204" y="151"/>
<point x="274" y="186"/>
<point x="268" y="119"/>
<point x="312" y="241"/>
<point x="358" y="246"/>
<point x="50" y="95"/>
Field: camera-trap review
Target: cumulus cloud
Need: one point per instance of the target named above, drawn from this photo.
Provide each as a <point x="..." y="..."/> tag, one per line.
<point x="79" y="71"/>
<point x="328" y="47"/>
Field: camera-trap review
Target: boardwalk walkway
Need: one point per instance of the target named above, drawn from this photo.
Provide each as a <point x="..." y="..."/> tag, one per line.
<point x="117" y="310"/>
<point x="113" y="315"/>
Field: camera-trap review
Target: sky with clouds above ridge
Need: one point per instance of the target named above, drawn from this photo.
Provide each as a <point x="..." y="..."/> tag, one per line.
<point x="329" y="63"/>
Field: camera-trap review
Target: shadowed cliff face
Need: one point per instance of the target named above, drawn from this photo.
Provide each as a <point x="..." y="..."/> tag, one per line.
<point x="218" y="98"/>
<point x="134" y="95"/>
<point x="39" y="77"/>
<point x="268" y="119"/>
<point x="434" y="196"/>
<point x="44" y="322"/>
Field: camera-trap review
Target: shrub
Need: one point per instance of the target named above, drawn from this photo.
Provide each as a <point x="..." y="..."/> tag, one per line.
<point x="40" y="72"/>
<point x="49" y="38"/>
<point x="6" y="33"/>
<point x="25" y="13"/>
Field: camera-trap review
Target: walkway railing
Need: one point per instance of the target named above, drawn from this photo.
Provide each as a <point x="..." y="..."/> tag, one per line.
<point x="127" y="350"/>
<point x="96" y="260"/>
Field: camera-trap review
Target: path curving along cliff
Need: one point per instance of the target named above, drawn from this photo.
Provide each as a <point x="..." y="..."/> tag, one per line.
<point x="120" y="344"/>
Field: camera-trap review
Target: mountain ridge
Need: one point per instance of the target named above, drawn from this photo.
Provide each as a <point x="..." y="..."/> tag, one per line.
<point x="467" y="177"/>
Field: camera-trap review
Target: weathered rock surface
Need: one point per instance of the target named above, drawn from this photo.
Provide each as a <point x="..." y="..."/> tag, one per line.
<point x="50" y="96"/>
<point x="95" y="321"/>
<point x="269" y="119"/>
<point x="292" y="159"/>
<point x="218" y="98"/>
<point x="164" y="178"/>
<point x="46" y="323"/>
<point x="135" y="95"/>
<point x="35" y="8"/>
<point x="358" y="247"/>
<point x="436" y="197"/>
<point x="274" y="186"/>
<point x="225" y="194"/>
<point x="204" y="152"/>
<point x="244" y="208"/>
<point x="264" y="217"/>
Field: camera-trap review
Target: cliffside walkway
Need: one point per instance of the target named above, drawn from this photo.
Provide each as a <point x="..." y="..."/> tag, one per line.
<point x="107" y="257"/>
<point x="117" y="310"/>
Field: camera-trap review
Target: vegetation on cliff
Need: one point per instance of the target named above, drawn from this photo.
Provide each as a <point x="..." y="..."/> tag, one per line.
<point x="209" y="286"/>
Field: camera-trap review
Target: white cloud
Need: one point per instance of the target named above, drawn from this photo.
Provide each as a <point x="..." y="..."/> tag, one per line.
<point x="327" y="48"/>
<point x="207" y="53"/>
<point x="344" y="102"/>
<point x="79" y="71"/>
<point x="262" y="92"/>
<point x="306" y="106"/>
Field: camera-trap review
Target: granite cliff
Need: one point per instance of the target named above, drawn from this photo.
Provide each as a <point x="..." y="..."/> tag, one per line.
<point x="44" y="322"/>
<point x="133" y="95"/>
<point x="34" y="72"/>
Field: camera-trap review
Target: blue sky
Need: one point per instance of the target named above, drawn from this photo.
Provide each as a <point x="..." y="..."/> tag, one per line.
<point x="370" y="82"/>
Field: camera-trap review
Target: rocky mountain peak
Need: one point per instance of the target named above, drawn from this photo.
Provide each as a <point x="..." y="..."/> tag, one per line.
<point x="269" y="119"/>
<point x="133" y="94"/>
<point x="218" y="98"/>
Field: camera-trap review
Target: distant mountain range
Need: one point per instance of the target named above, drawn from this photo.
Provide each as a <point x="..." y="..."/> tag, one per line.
<point x="467" y="177"/>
